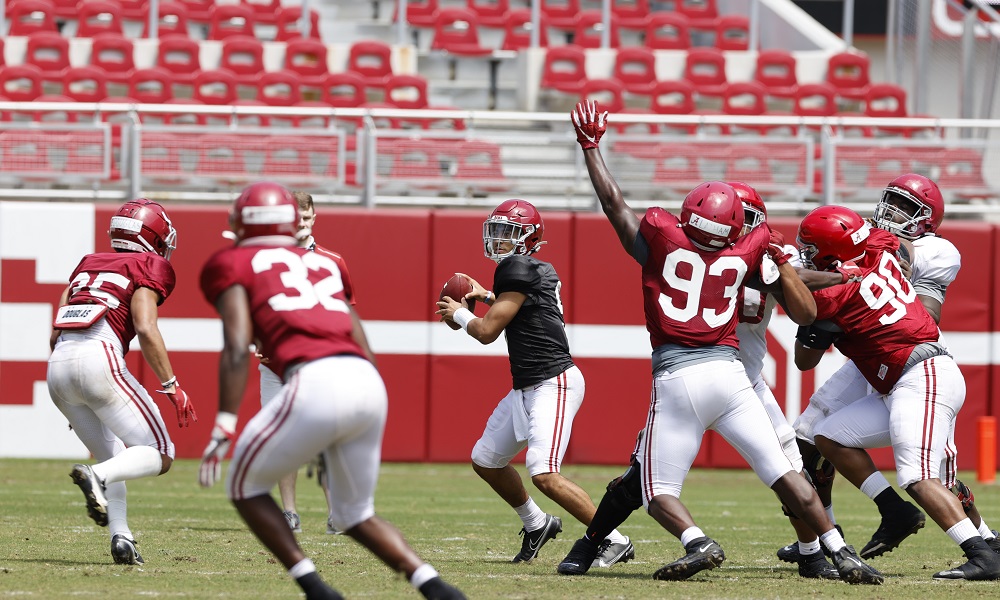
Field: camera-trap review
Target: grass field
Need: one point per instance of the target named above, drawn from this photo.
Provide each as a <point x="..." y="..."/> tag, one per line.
<point x="195" y="546"/>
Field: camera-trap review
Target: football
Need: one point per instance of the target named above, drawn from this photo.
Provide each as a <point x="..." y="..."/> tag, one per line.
<point x="456" y="288"/>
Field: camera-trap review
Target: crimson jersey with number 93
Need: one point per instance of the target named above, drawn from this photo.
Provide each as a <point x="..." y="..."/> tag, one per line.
<point x="691" y="296"/>
<point x="297" y="301"/>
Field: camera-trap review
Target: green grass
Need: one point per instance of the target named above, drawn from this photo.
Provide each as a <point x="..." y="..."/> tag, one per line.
<point x="195" y="546"/>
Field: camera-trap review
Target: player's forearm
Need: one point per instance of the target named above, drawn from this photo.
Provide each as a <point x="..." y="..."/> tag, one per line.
<point x="233" y="370"/>
<point x="818" y="280"/>
<point x="625" y="222"/>
<point x="155" y="353"/>
<point x="798" y="300"/>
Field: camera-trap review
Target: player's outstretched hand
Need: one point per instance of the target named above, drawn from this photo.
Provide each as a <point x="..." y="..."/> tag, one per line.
<point x="210" y="470"/>
<point x="850" y="271"/>
<point x="590" y="124"/>
<point x="776" y="248"/>
<point x="182" y="404"/>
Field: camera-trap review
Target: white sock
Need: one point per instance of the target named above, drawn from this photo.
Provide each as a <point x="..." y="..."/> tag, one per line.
<point x="807" y="548"/>
<point x="130" y="463"/>
<point x="690" y="534"/>
<point x="532" y="516"/>
<point x="117" y="510"/>
<point x="984" y="530"/>
<point x="962" y="531"/>
<point x="422" y="575"/>
<point x="303" y="567"/>
<point x="874" y="485"/>
<point x="616" y="537"/>
<point x="833" y="540"/>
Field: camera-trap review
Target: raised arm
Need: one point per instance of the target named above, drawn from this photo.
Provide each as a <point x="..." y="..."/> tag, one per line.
<point x="590" y="126"/>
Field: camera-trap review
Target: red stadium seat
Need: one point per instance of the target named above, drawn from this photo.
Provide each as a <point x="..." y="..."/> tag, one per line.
<point x="561" y="14"/>
<point x="85" y="83"/>
<point x="229" y="20"/>
<point x="265" y="11"/>
<point x="54" y="116"/>
<point x="776" y="71"/>
<point x="113" y="53"/>
<point x="48" y="51"/>
<point x="746" y="98"/>
<point x="406" y="91"/>
<point x="183" y="117"/>
<point x="344" y="89"/>
<point x="631" y="14"/>
<point x="20" y="83"/>
<point x="98" y="16"/>
<point x="160" y="159"/>
<point x="491" y="13"/>
<point x="674" y="98"/>
<point x="198" y="11"/>
<point x="962" y="173"/>
<point x="419" y="13"/>
<point x="885" y="100"/>
<point x="181" y="57"/>
<point x="701" y="13"/>
<point x="636" y="69"/>
<point x="668" y="31"/>
<point x="173" y="20"/>
<point x="30" y="16"/>
<point x="278" y="88"/>
<point x="65" y="9"/>
<point x="480" y="165"/>
<point x="565" y="69"/>
<point x="308" y="58"/>
<point x="415" y="162"/>
<point x="134" y="10"/>
<point x="589" y="28"/>
<point x="705" y="68"/>
<point x="608" y="93"/>
<point x="814" y="100"/>
<point x="732" y="32"/>
<point x="244" y="57"/>
<point x="847" y="72"/>
<point x="221" y="157"/>
<point x="151" y="86"/>
<point x="288" y="23"/>
<point x="517" y="30"/>
<point x="215" y="87"/>
<point x="456" y="30"/>
<point x="372" y="59"/>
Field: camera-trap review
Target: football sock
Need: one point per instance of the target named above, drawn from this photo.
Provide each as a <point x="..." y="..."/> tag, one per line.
<point x="117" y="510"/>
<point x="984" y="530"/>
<point x="888" y="501"/>
<point x="616" y="537"/>
<point x="807" y="548"/>
<point x="532" y="516"/>
<point x="962" y="531"/>
<point x="829" y="513"/>
<point x="875" y="485"/>
<point x="422" y="575"/>
<point x="130" y="463"/>
<point x="690" y="534"/>
<point x="833" y="540"/>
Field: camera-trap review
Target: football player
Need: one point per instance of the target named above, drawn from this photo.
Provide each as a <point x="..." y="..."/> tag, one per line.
<point x="333" y="400"/>
<point x="693" y="269"/>
<point x="918" y="389"/>
<point x="547" y="389"/>
<point x="111" y="299"/>
<point x="270" y="384"/>
<point x="912" y="208"/>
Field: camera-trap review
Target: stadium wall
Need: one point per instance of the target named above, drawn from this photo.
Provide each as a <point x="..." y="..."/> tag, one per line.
<point x="442" y="384"/>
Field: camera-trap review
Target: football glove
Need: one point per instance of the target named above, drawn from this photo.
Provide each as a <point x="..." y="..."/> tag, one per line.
<point x="210" y="470"/>
<point x="776" y="248"/>
<point x="590" y="124"/>
<point x="849" y="271"/>
<point x="182" y="404"/>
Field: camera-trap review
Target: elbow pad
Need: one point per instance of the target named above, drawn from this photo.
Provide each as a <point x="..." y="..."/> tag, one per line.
<point x="815" y="338"/>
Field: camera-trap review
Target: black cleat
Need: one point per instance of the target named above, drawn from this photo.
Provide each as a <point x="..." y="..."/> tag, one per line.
<point x="93" y="492"/>
<point x="790" y="553"/>
<point x="438" y="589"/>
<point x="534" y="540"/>
<point x="580" y="558"/>
<point x="702" y="553"/>
<point x="815" y="566"/>
<point x="853" y="570"/>
<point x="893" y="530"/>
<point x="124" y="551"/>
<point x="983" y="565"/>
<point x="994" y="542"/>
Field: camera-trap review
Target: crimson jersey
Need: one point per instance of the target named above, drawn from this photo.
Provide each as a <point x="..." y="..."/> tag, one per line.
<point x="691" y="295"/>
<point x="881" y="317"/>
<point x="345" y="276"/>
<point x="111" y="278"/>
<point x="297" y="301"/>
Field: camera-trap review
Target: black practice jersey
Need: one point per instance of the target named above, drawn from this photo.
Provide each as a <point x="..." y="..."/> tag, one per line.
<point x="536" y="337"/>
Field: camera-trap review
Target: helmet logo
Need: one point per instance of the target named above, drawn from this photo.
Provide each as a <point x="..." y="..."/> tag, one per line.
<point x="126" y="224"/>
<point x="268" y="215"/>
<point x="861" y="234"/>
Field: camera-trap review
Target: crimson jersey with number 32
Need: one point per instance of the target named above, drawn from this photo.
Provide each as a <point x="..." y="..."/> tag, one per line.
<point x="881" y="316"/>
<point x="690" y="295"/>
<point x="297" y="301"/>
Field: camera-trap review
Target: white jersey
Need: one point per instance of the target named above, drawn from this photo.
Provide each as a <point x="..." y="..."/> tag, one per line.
<point x="753" y="335"/>
<point x="935" y="265"/>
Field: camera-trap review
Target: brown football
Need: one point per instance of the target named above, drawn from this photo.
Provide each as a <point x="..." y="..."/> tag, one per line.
<point x="456" y="288"/>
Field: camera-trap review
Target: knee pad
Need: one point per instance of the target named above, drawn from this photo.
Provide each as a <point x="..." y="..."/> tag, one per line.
<point x="964" y="495"/>
<point x="625" y="492"/>
<point x="788" y="513"/>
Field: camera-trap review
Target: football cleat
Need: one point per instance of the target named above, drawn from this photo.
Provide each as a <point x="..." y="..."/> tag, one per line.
<point x="293" y="521"/>
<point x="790" y="553"/>
<point x="994" y="542"/>
<point x="534" y="540"/>
<point x="93" y="492"/>
<point x="124" y="551"/>
<point x="581" y="557"/>
<point x="903" y="523"/>
<point x="702" y="553"/>
<point x="815" y="566"/>
<point x="853" y="570"/>
<point x="331" y="529"/>
<point x="439" y="589"/>
<point x="983" y="565"/>
<point x="611" y="553"/>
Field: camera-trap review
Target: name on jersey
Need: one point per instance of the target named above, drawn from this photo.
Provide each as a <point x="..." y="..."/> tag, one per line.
<point x="78" y="316"/>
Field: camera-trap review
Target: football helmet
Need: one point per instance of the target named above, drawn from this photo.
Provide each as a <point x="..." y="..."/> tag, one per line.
<point x="712" y="215"/>
<point x="516" y="222"/>
<point x="754" y="211"/>
<point x="263" y="209"/>
<point x="142" y="225"/>
<point x="831" y="235"/>
<point x="911" y="206"/>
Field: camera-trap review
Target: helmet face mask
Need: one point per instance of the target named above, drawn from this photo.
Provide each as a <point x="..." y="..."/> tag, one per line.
<point x="752" y="218"/>
<point x="911" y="206"/>
<point x="514" y="227"/>
<point x="142" y="225"/>
<point x="754" y="211"/>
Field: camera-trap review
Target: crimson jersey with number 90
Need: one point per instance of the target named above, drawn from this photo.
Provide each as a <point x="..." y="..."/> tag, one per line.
<point x="297" y="301"/>
<point x="690" y="295"/>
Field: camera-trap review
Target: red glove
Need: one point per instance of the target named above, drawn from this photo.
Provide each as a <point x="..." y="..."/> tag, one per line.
<point x="589" y="123"/>
<point x="182" y="403"/>
<point x="776" y="248"/>
<point x="850" y="271"/>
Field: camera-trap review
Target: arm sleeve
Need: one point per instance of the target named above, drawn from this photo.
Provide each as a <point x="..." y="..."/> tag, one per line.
<point x="516" y="274"/>
<point x="640" y="248"/>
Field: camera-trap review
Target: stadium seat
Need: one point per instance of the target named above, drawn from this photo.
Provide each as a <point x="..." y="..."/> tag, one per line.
<point x="160" y="159"/>
<point x="372" y="59"/>
<point x="676" y="165"/>
<point x="885" y="100"/>
<point x="308" y="58"/>
<point x="244" y="57"/>
<point x="732" y="32"/>
<point x="173" y="20"/>
<point x="636" y="69"/>
<point x="775" y="70"/>
<point x="198" y="11"/>
<point x="673" y="98"/>
<point x="705" y="68"/>
<point x="221" y="157"/>
<point x="560" y="14"/>
<point x="962" y="173"/>
<point x="345" y="90"/>
<point x="419" y="13"/>
<point x="215" y="87"/>
<point x="181" y="57"/>
<point x="98" y="16"/>
<point x="86" y="83"/>
<point x="134" y="10"/>
<point x="847" y="72"/>
<point x="631" y="14"/>
<point x="746" y="98"/>
<point x="700" y="13"/>
<point x="415" y="162"/>
<point x="48" y="51"/>
<point x="151" y="86"/>
<point x="264" y="11"/>
<point x="517" y="30"/>
<point x="65" y="9"/>
<point x="278" y="88"/>
<point x="456" y="30"/>
<point x="20" y="83"/>
<point x="113" y="53"/>
<point x="229" y="20"/>
<point x="26" y="17"/>
<point x="288" y="23"/>
<point x="668" y="31"/>
<point x="288" y="157"/>
<point x="815" y="100"/>
<point x="589" y="28"/>
<point x="480" y="166"/>
<point x="54" y="116"/>
<point x="491" y="13"/>
<point x="183" y="117"/>
<point x="607" y="92"/>
<point x="2" y="60"/>
<point x="406" y="91"/>
<point x="565" y="69"/>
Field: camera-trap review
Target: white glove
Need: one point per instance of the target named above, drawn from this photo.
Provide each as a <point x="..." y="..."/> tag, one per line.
<point x="211" y="460"/>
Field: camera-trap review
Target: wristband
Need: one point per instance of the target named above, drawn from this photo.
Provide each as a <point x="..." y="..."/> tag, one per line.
<point x="226" y="421"/>
<point x="489" y="296"/>
<point x="169" y="382"/>
<point x="463" y="316"/>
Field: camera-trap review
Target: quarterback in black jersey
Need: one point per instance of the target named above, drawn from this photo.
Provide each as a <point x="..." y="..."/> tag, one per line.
<point x="547" y="388"/>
